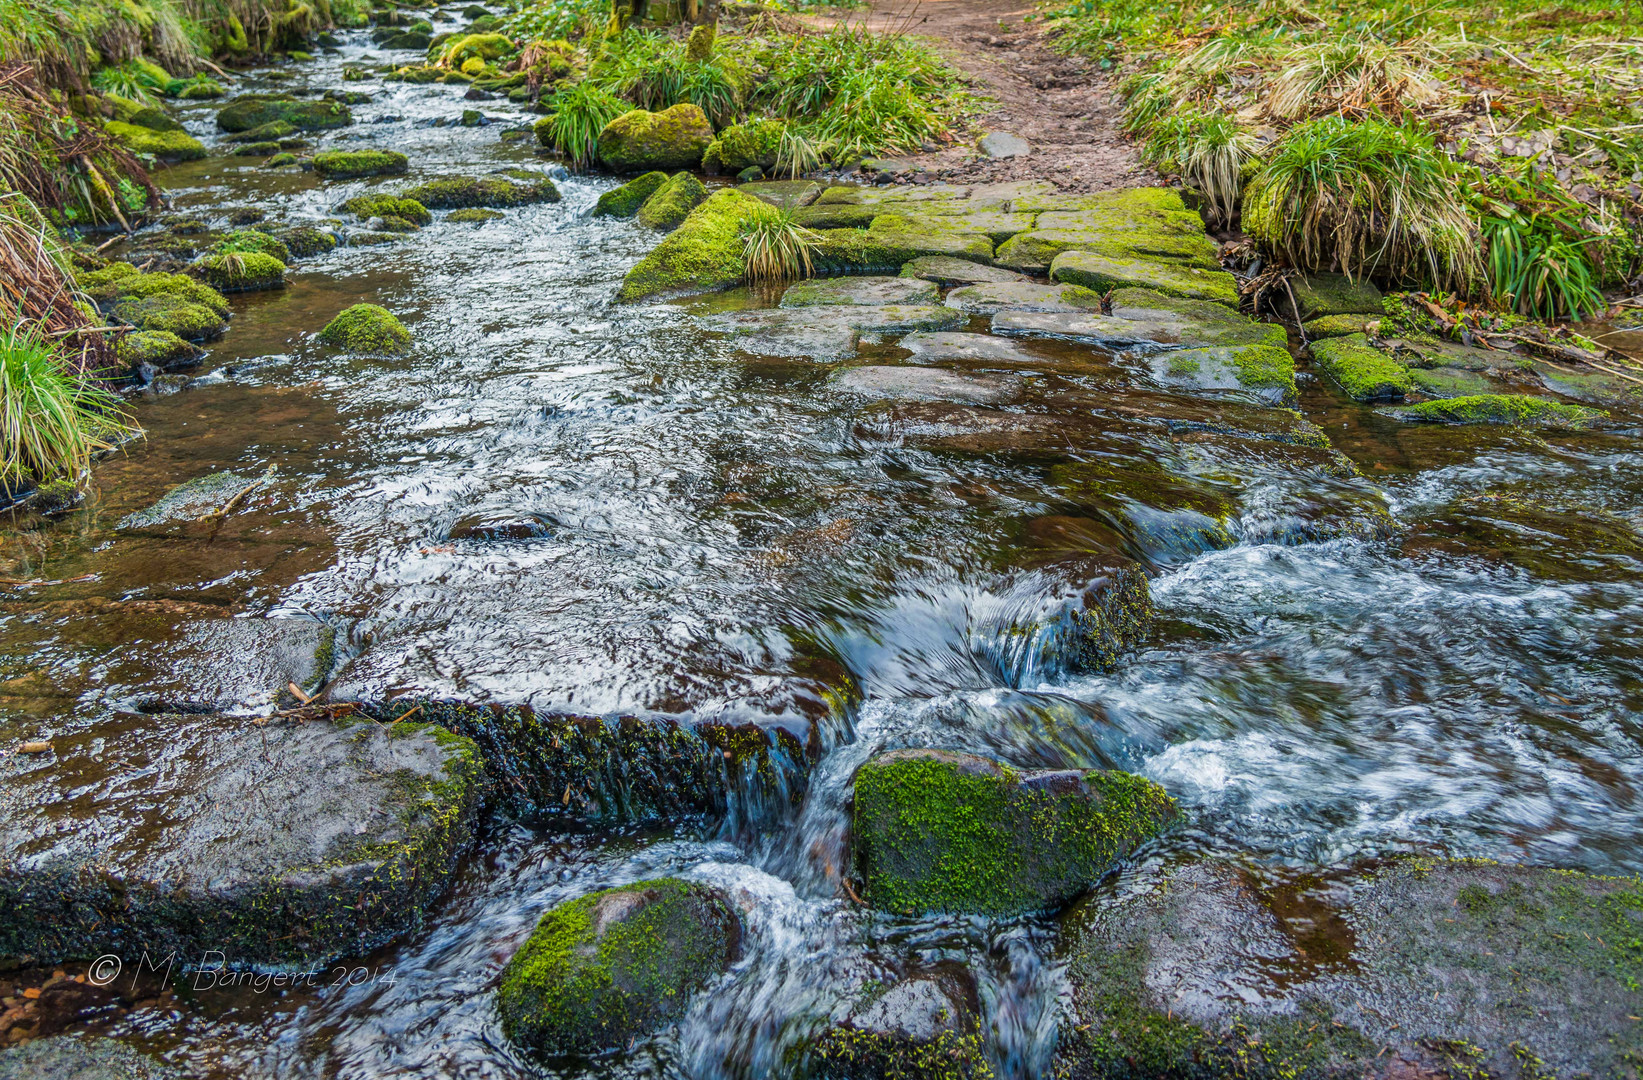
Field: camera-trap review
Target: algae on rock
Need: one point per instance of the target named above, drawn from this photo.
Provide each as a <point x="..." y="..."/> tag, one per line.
<point x="671" y="203"/>
<point x="704" y="254"/>
<point x="355" y="164"/>
<point x="626" y="200"/>
<point x="639" y="141"/>
<point x="1363" y="371"/>
<point x="367" y="328"/>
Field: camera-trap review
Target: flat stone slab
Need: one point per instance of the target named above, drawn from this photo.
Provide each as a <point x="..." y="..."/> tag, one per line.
<point x="1262" y="370"/>
<point x="860" y="291"/>
<point x="944" y="270"/>
<point x="1150" y="224"/>
<point x="193" y="500"/>
<point x="283" y="844"/>
<point x="956" y="345"/>
<point x="1002" y="144"/>
<point x="911" y="383"/>
<point x="827" y="332"/>
<point x="1140" y="316"/>
<point x="990" y="298"/>
<point x="1334" y="294"/>
<point x="1100" y="272"/>
<point x="784" y="193"/>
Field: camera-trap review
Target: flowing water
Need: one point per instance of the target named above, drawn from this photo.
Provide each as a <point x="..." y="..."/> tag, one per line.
<point x="716" y="528"/>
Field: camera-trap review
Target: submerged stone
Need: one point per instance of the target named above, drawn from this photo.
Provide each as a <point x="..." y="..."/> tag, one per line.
<point x="80" y="1057"/>
<point x="201" y="497"/>
<point x="626" y="200"/>
<point x="367" y="328"/>
<point x="978" y="348"/>
<point x="910" y="383"/>
<point x="945" y="270"/>
<point x="1363" y="371"/>
<point x="942" y="831"/>
<point x="1140" y="316"/>
<point x="639" y="141"/>
<point x="474" y="215"/>
<point x="672" y="202"/>
<point x="354" y="164"/>
<point x="992" y="297"/>
<point x="616" y="964"/>
<point x="820" y="292"/>
<point x="1513" y="410"/>
<point x="289" y="843"/>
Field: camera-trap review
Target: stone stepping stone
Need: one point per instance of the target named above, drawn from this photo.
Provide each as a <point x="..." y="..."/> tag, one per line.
<point x="827" y="332"/>
<point x="1140" y="316"/>
<point x="990" y="298"/>
<point x="1262" y="370"/>
<point x="859" y="291"/>
<point x="283" y="842"/>
<point x="999" y="145"/>
<point x="1101" y="273"/>
<point x="784" y="193"/>
<point x="955" y="345"/>
<point x="949" y="271"/>
<point x="1150" y="224"/>
<point x="1321" y="295"/>
<point x="910" y="383"/>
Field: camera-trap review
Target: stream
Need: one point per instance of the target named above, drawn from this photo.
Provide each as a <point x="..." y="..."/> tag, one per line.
<point x="712" y="529"/>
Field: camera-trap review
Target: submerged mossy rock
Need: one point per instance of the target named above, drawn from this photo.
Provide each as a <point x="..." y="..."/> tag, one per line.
<point x="474" y="215"/>
<point x="354" y="164"/>
<point x="1264" y="370"/>
<point x="751" y="145"/>
<point x="640" y="141"/>
<point x="367" y="328"/>
<point x="1363" y="371"/>
<point x="177" y="145"/>
<point x="294" y="841"/>
<point x="366" y="207"/>
<point x="169" y="313"/>
<point x="671" y="203"/>
<point x="626" y="200"/>
<point x="254" y="110"/>
<point x="160" y="348"/>
<point x="616" y="964"/>
<point x="1513" y="410"/>
<point x="493" y="192"/>
<point x="942" y="831"/>
<point x="1145" y="315"/>
<point x="248" y="271"/>
<point x="925" y="1027"/>
<point x="1549" y="538"/>
<point x="307" y="241"/>
<point x="1423" y="968"/>
<point x="270" y="132"/>
<point x="704" y="254"/>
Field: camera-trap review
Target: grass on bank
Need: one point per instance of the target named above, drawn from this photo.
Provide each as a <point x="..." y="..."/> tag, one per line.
<point x="1384" y="134"/>
<point x="775" y="247"/>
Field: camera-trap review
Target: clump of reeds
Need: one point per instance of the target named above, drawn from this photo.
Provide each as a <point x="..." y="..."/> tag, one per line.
<point x="775" y="247"/>
<point x="1207" y="149"/>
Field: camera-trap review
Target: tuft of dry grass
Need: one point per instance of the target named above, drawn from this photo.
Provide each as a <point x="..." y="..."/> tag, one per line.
<point x="37" y="287"/>
<point x="1355" y="76"/>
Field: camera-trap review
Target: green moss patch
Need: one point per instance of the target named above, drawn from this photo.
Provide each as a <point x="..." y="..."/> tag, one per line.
<point x="626" y="200"/>
<point x="603" y="969"/>
<point x="164" y="145"/>
<point x="1137" y="224"/>
<point x="671" y="203"/>
<point x="458" y="193"/>
<point x="254" y="110"/>
<point x="171" y="314"/>
<point x="306" y="241"/>
<point x="161" y="348"/>
<point x="1328" y="326"/>
<point x="367" y="328"/>
<point x="741" y="146"/>
<point x="949" y="832"/>
<point x="639" y="141"/>
<point x="248" y="271"/>
<point x="703" y="254"/>
<point x="1514" y="410"/>
<point x="1103" y="272"/>
<point x="251" y="240"/>
<point x="366" y="207"/>
<point x="1363" y="371"/>
<point x="474" y="215"/>
<point x="354" y="164"/>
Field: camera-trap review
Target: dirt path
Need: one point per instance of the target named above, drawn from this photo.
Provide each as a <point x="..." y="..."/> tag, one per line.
<point x="1061" y="105"/>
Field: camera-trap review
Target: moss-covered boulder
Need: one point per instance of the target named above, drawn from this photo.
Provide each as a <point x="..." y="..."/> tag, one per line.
<point x="741" y="146"/>
<point x="1420" y="968"/>
<point x="269" y="132"/>
<point x="253" y="240"/>
<point x="626" y="200"/>
<point x="122" y="281"/>
<point x="159" y="348"/>
<point x="366" y="207"/>
<point x="474" y="215"/>
<point x="941" y="831"/>
<point x="307" y="241"/>
<point x="1264" y="370"/>
<point x="254" y="110"/>
<point x="494" y="192"/>
<point x="640" y="141"/>
<point x="1363" y="371"/>
<point x="354" y="164"/>
<point x="175" y="145"/>
<point x="247" y="271"/>
<point x="155" y="119"/>
<point x="1328" y="326"/>
<point x="922" y="1028"/>
<point x="671" y="203"/>
<point x="1512" y="410"/>
<point x="482" y="47"/>
<point x="603" y="969"/>
<point x="703" y="254"/>
<point x="1322" y="295"/>
<point x="171" y="314"/>
<point x="367" y="328"/>
<point x="262" y="149"/>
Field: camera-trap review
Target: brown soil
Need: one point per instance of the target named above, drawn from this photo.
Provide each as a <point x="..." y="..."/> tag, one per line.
<point x="1060" y="104"/>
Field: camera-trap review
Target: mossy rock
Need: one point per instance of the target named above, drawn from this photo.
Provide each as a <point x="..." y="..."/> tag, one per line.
<point x="413" y="40"/>
<point x="160" y="348"/>
<point x="202" y="90"/>
<point x="170" y="314"/>
<point x="482" y="47"/>
<point x="251" y="240"/>
<point x="175" y="286"/>
<point x="1136" y="224"/>
<point x="942" y="831"/>
<point x="241" y="271"/>
<point x="1264" y="370"/>
<point x="366" y="207"/>
<point x="745" y="146"/>
<point x="367" y="328"/>
<point x="154" y="118"/>
<point x="306" y="241"/>
<point x="1322" y="295"/>
<point x="464" y="192"/>
<point x="474" y="215"/>
<point x="1450" y="382"/>
<point x="784" y="194"/>
<point x="254" y="110"/>
<point x="163" y="145"/>
<point x="1102" y="273"/>
<point x="270" y="132"/>
<point x="104" y="284"/>
<point x="1550" y="539"/>
<point x="640" y="141"/>
<point x="1363" y="371"/>
<point x="704" y="254"/>
<point x="922" y="1028"/>
<point x="263" y="149"/>
<point x="604" y="969"/>
<point x="626" y="200"/>
<point x="1328" y="326"/>
<point x="1184" y="321"/>
<point x="1512" y="410"/>
<point x="354" y="164"/>
<point x="671" y="203"/>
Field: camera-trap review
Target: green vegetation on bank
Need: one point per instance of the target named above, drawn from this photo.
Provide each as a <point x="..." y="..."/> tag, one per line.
<point x="1492" y="150"/>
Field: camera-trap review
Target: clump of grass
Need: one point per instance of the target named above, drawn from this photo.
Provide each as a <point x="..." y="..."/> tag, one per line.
<point x="1207" y="149"/>
<point x="580" y="113"/>
<point x="1368" y="198"/>
<point x="1541" y="259"/>
<point x="1357" y="75"/>
<point x="775" y="247"/>
<point x="798" y="154"/>
<point x="51" y="420"/>
<point x="37" y="284"/>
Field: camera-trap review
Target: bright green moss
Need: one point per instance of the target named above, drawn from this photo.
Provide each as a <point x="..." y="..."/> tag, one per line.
<point x="1328" y="326"/>
<point x="367" y="328"/>
<point x="626" y="200"/>
<point x="1103" y="272"/>
<point x="270" y="132"/>
<point x="1516" y="410"/>
<point x="639" y="141"/>
<point x="353" y="164"/>
<point x="1263" y="367"/>
<point x="703" y="254"/>
<point x="165" y="145"/>
<point x="254" y="110"/>
<point x="241" y="271"/>
<point x="365" y="207"/>
<point x="104" y="284"/>
<point x="177" y="286"/>
<point x="947" y="832"/>
<point x="250" y="240"/>
<point x="461" y="192"/>
<point x="1450" y="382"/>
<point x="1363" y="371"/>
<point x="305" y="241"/>
<point x="260" y="149"/>
<point x="951" y="1055"/>
<point x="612" y="965"/>
<point x="156" y="347"/>
<point x="169" y="314"/>
<point x="671" y="203"/>
<point x="482" y="47"/>
<point x="474" y="215"/>
<point x="753" y="144"/>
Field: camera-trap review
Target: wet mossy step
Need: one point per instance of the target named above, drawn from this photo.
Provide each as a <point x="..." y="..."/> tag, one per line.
<point x="554" y="767"/>
<point x="1421" y="968"/>
<point x="277" y="844"/>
